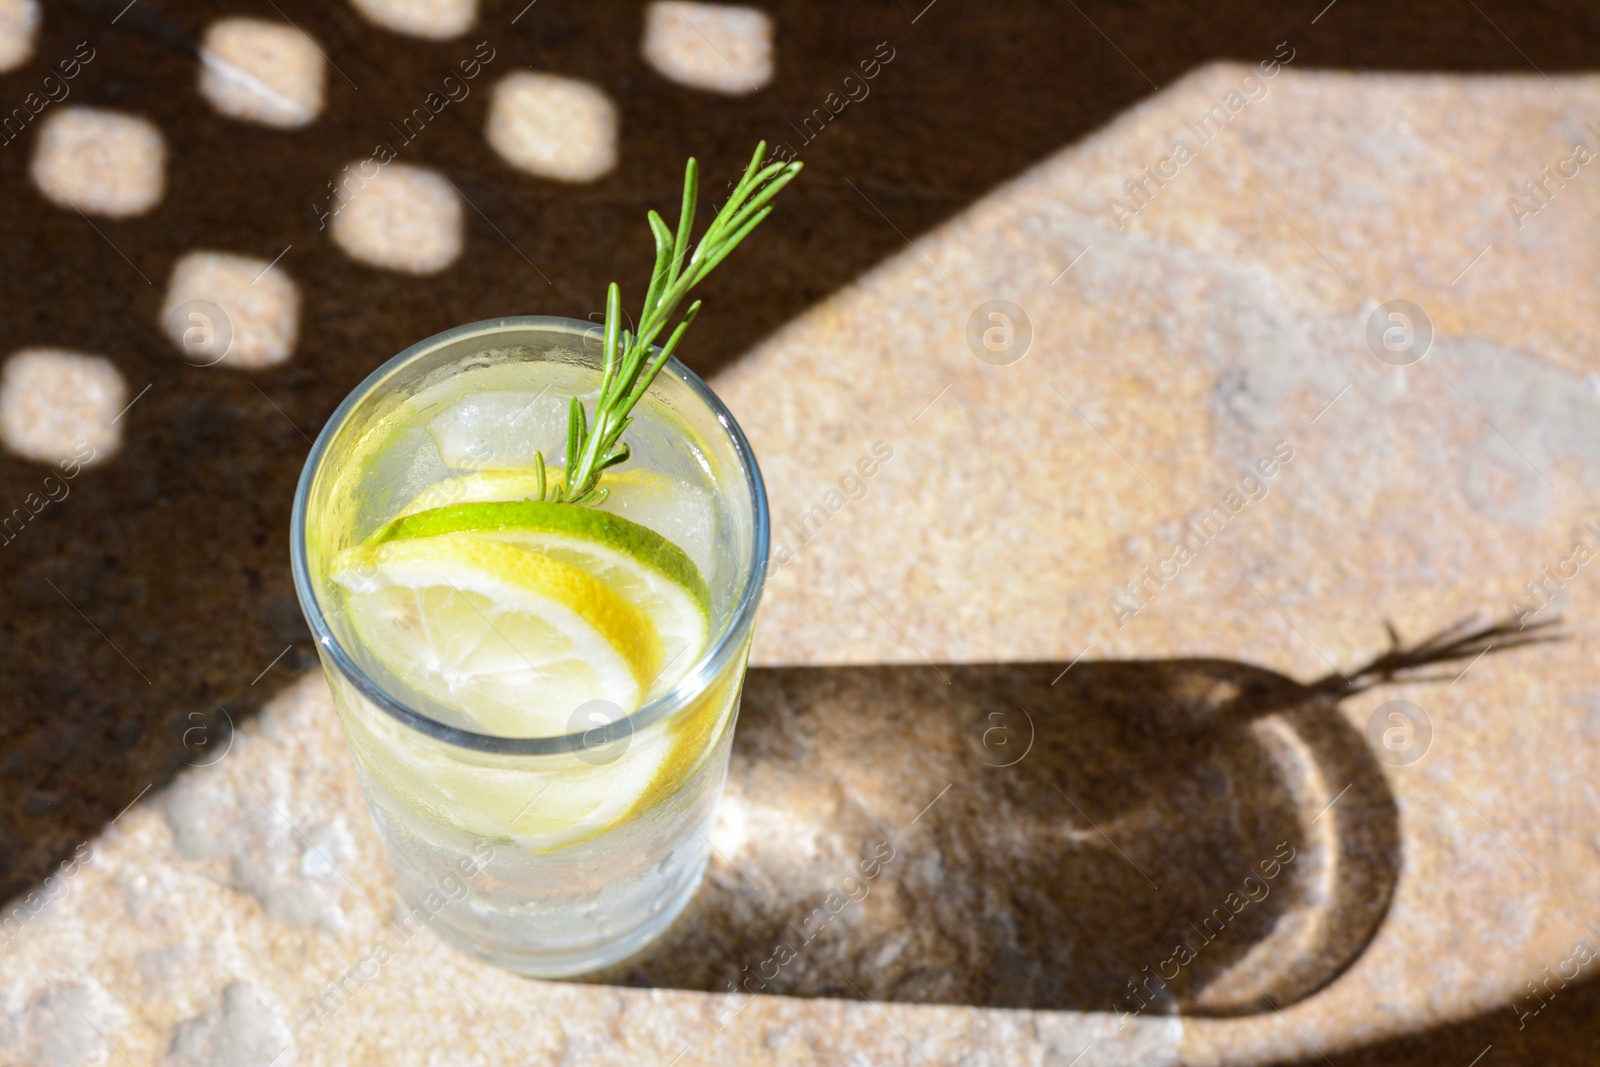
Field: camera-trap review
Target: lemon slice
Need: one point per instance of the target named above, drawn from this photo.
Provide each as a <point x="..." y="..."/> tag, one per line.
<point x="518" y="614"/>
<point x="566" y="800"/>
<point x="483" y="487"/>
<point x="645" y="569"/>
<point x="516" y="640"/>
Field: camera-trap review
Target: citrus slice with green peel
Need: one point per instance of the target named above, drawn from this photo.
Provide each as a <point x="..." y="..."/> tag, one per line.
<point x="651" y="573"/>
<point x="516" y="640"/>
<point x="681" y="510"/>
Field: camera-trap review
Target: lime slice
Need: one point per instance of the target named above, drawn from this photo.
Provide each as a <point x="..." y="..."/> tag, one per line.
<point x="680" y="510"/>
<point x="645" y="569"/>
<point x="515" y="639"/>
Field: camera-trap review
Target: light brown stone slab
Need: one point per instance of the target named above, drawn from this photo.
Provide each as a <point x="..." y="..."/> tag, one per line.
<point x="1226" y="317"/>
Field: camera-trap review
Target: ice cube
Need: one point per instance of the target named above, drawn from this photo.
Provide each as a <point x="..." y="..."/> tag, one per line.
<point x="502" y="429"/>
<point x="680" y="511"/>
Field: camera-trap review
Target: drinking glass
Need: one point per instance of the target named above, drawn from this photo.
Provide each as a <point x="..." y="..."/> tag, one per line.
<point x="459" y="809"/>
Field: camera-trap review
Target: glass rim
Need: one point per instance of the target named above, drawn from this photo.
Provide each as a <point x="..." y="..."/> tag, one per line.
<point x="712" y="661"/>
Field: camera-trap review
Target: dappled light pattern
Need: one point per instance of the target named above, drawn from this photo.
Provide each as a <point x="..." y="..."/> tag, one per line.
<point x="259" y="305"/>
<point x="403" y="218"/>
<point x="429" y="19"/>
<point x="260" y="71"/>
<point x="60" y="407"/>
<point x="100" y="162"/>
<point x="553" y="127"/>
<point x="19" y="25"/>
<point x="720" y="48"/>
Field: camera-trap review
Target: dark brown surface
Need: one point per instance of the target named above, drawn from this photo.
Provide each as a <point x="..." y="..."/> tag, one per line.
<point x="176" y="551"/>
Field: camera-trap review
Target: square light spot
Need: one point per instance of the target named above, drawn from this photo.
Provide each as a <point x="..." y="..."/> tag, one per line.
<point x="232" y="311"/>
<point x="57" y="406"/>
<point x="402" y="218"/>
<point x="19" y="26"/>
<point x="716" y="47"/>
<point x="554" y="127"/>
<point x="100" y="162"/>
<point x="433" y="19"/>
<point x="262" y="72"/>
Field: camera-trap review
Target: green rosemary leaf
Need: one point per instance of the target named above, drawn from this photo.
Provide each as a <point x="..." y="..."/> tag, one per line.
<point x="691" y="192"/>
<point x="613" y="320"/>
<point x="575" y="434"/>
<point x="762" y="198"/>
<point x="733" y="242"/>
<point x="767" y="181"/>
<point x="658" y="276"/>
<point x="665" y="353"/>
<point x="746" y="183"/>
<point x="629" y="366"/>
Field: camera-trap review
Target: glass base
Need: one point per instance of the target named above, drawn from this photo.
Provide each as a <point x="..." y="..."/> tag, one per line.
<point x="569" y="964"/>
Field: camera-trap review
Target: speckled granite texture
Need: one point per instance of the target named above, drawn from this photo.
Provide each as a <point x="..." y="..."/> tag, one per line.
<point x="1203" y="483"/>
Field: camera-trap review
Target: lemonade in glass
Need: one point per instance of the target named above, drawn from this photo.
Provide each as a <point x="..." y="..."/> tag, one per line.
<point x="530" y="551"/>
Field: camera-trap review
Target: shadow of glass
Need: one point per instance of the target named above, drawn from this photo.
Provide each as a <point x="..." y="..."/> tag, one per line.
<point x="1196" y="836"/>
<point x="1147" y="836"/>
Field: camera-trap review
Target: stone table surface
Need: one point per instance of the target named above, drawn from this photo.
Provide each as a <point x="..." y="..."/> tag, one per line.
<point x="1224" y="323"/>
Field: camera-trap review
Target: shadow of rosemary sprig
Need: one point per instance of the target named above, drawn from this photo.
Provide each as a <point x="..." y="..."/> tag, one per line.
<point x="1463" y="640"/>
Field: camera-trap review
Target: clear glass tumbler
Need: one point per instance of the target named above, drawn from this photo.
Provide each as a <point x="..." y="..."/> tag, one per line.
<point x="460" y="809"/>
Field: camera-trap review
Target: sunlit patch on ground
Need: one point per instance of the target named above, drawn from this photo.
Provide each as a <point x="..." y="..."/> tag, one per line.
<point x="19" y="24"/>
<point x="100" y="162"/>
<point x="716" y="47"/>
<point x="262" y="72"/>
<point x="260" y="301"/>
<point x="57" y="405"/>
<point x="433" y="19"/>
<point x="405" y="218"/>
<point x="553" y="127"/>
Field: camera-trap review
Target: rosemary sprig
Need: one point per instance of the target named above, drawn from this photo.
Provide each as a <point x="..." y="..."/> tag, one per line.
<point x="595" y="444"/>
